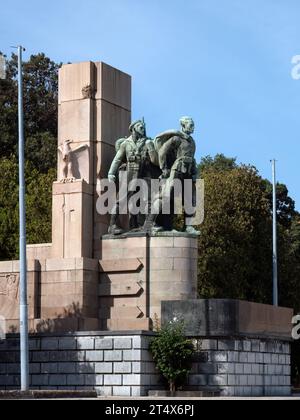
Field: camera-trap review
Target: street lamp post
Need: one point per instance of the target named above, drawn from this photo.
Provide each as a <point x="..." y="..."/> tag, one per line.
<point x="275" y="257"/>
<point x="24" y="345"/>
<point x="23" y="263"/>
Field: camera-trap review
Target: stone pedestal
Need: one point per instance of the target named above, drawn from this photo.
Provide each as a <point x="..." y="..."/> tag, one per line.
<point x="139" y="272"/>
<point x="173" y="265"/>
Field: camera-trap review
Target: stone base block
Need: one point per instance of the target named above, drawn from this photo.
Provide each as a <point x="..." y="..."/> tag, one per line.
<point x="129" y="324"/>
<point x="10" y="292"/>
<point x="72" y="227"/>
<point x="62" y="325"/>
<point x="226" y="317"/>
<point x="62" y="295"/>
<point x="139" y="272"/>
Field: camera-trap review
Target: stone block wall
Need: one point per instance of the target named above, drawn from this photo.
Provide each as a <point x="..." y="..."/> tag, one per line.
<point x="243" y="367"/>
<point x="120" y="364"/>
<point x="113" y="365"/>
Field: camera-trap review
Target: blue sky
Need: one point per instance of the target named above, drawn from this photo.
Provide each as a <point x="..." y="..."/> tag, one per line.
<point x="227" y="63"/>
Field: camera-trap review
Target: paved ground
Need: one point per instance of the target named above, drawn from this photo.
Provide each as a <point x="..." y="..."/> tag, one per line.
<point x="295" y="398"/>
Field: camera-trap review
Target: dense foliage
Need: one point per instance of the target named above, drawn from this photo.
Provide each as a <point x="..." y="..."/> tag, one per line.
<point x="173" y="354"/>
<point x="235" y="246"/>
<point x="38" y="205"/>
<point x="41" y="109"/>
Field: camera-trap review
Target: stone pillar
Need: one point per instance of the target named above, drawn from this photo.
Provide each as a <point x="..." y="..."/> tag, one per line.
<point x="72" y="209"/>
<point x="76" y="113"/>
<point x="94" y="111"/>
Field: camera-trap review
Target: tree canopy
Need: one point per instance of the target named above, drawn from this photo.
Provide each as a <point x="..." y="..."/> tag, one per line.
<point x="40" y="110"/>
<point x="38" y="206"/>
<point x="235" y="246"/>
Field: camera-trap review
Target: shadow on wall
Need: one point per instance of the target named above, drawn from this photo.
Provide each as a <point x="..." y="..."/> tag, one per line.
<point x="70" y="320"/>
<point x="57" y="361"/>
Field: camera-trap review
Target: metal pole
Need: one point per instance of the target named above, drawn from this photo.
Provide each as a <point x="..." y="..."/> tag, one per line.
<point x="275" y="257"/>
<point x="23" y="264"/>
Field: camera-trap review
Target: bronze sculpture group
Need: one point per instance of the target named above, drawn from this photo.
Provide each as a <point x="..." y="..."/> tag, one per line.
<point x="170" y="157"/>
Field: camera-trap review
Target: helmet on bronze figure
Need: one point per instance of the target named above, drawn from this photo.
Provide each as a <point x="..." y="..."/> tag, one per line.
<point x="139" y="127"/>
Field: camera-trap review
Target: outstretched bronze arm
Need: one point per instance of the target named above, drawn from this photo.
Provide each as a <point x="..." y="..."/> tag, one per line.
<point x="117" y="162"/>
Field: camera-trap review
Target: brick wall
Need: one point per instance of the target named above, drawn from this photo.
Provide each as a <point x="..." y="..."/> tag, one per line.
<point x="118" y="365"/>
<point x="121" y="365"/>
<point x="243" y="367"/>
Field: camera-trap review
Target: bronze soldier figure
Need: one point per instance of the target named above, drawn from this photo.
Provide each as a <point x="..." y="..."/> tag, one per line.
<point x="138" y="153"/>
<point x="176" y="150"/>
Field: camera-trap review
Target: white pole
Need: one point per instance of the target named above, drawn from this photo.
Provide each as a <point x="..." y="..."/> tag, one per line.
<point x="23" y="264"/>
<point x="275" y="257"/>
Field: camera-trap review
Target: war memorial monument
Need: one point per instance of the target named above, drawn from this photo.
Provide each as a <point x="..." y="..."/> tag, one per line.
<point x="98" y="290"/>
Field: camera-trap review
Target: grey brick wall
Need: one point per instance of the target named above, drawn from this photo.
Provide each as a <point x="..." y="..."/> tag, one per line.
<point x="112" y="365"/>
<point x="243" y="367"/>
<point x="121" y="365"/>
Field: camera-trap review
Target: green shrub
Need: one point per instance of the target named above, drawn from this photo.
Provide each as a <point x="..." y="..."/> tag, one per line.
<point x="173" y="353"/>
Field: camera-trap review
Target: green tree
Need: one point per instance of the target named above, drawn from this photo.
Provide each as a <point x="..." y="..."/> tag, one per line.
<point x="40" y="108"/>
<point x="38" y="206"/>
<point x="41" y="150"/>
<point x="289" y="265"/>
<point x="235" y="247"/>
<point x="295" y="237"/>
<point x="235" y="243"/>
<point x="222" y="177"/>
<point x="285" y="204"/>
<point x="219" y="163"/>
<point x="8" y="209"/>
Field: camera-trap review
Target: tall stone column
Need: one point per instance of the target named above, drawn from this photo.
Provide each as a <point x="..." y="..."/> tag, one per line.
<point x="72" y="211"/>
<point x="94" y="111"/>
